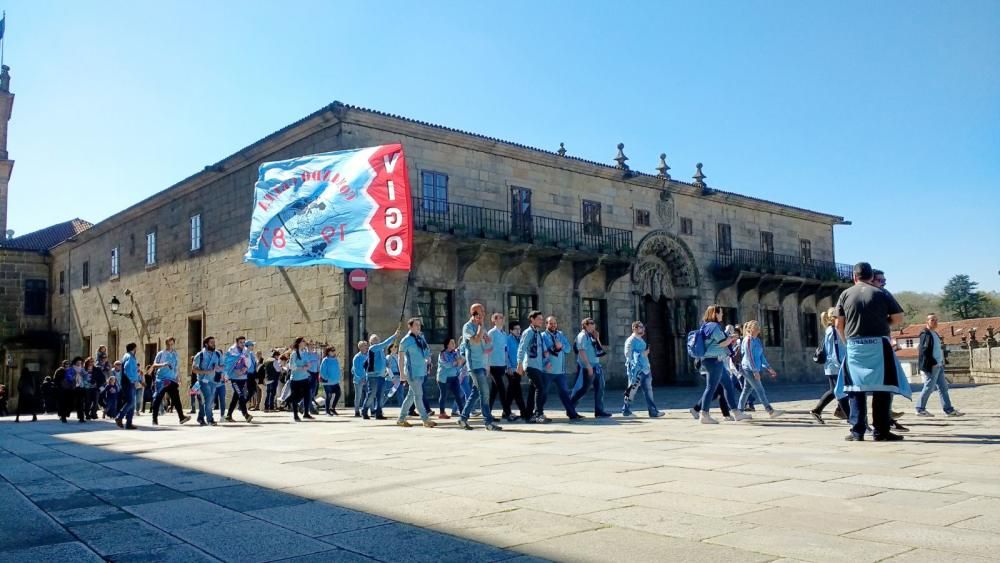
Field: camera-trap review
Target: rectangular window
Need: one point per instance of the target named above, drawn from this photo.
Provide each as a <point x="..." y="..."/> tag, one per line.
<point x="62" y="282"/>
<point x="35" y="296"/>
<point x="771" y="331"/>
<point x="687" y="226"/>
<point x="518" y="307"/>
<point x="151" y="248"/>
<point x="85" y="274"/>
<point x="434" y="310"/>
<point x="725" y="238"/>
<point x="810" y="330"/>
<point x="596" y="309"/>
<point x="767" y="242"/>
<point x="909" y="343"/>
<point x="642" y="218"/>
<point x="591" y="217"/>
<point x="113" y="345"/>
<point x="115" y="262"/>
<point x="434" y="191"/>
<point x="196" y="232"/>
<point x="805" y="250"/>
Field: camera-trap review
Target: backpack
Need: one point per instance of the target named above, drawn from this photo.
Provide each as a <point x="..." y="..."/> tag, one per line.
<point x="696" y="346"/>
<point x="819" y="356"/>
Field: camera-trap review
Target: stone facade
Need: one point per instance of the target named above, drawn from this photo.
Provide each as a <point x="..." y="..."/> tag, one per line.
<point x="26" y="340"/>
<point x="665" y="272"/>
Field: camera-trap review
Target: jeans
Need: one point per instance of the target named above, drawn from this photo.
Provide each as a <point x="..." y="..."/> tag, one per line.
<point x="111" y="405"/>
<point x="738" y="385"/>
<point x="716" y="372"/>
<point x="239" y="397"/>
<point x="752" y="385"/>
<point x="824" y="400"/>
<point x="537" y="392"/>
<point x="481" y="392"/>
<point x="90" y="404"/>
<point x="328" y="392"/>
<point x="597" y="382"/>
<point x="127" y="409"/>
<point x="207" y="405"/>
<point x="456" y="391"/>
<point x="414" y="396"/>
<point x="497" y="374"/>
<point x="466" y="386"/>
<point x="645" y="383"/>
<point x="220" y="399"/>
<point x="374" y="389"/>
<point x="360" y="394"/>
<point x="563" y="390"/>
<point x="881" y="407"/>
<point x="934" y="380"/>
<point x="271" y="395"/>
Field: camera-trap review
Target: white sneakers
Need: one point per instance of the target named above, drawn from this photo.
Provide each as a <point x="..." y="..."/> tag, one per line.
<point x="775" y="413"/>
<point x="739" y="415"/>
<point x="706" y="419"/>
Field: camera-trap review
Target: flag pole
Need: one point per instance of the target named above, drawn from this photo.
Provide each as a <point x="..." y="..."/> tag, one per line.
<point x="406" y="292"/>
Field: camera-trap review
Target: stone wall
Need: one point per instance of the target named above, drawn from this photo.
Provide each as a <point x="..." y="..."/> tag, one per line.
<point x="16" y="267"/>
<point x="985" y="365"/>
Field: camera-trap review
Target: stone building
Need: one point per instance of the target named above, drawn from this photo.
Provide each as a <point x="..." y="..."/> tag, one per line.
<point x="511" y="226"/>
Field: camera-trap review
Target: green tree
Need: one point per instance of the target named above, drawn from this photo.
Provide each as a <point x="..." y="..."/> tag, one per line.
<point x="962" y="299"/>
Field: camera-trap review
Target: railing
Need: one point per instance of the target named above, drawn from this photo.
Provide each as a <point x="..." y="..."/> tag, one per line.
<point x="783" y="264"/>
<point x="482" y="222"/>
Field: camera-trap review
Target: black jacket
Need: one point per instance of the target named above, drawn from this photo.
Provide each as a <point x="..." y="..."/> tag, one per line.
<point x="925" y="351"/>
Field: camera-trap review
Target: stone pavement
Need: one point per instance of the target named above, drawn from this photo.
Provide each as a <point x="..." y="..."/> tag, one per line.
<point x="667" y="490"/>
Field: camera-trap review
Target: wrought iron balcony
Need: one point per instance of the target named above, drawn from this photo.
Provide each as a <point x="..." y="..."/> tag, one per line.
<point x="738" y="259"/>
<point x="470" y="221"/>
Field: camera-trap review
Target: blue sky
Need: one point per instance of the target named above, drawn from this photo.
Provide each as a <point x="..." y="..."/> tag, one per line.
<point x="887" y="113"/>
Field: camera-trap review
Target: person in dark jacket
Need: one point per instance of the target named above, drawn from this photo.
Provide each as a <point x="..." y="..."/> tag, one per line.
<point x="27" y="394"/>
<point x="930" y="359"/>
<point x="48" y="391"/>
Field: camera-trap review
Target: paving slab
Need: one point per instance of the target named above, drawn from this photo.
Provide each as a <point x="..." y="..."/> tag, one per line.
<point x="318" y="518"/>
<point x="244" y="498"/>
<point x="249" y="541"/>
<point x="809" y="546"/>
<point x="184" y="512"/>
<point x="121" y="536"/>
<point x="668" y="523"/>
<point x="68" y="552"/>
<point x="22" y="524"/>
<point x="952" y="539"/>
<point x="401" y="542"/>
<point x="630" y="546"/>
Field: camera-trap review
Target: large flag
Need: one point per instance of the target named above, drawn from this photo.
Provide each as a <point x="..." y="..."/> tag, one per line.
<point x="350" y="209"/>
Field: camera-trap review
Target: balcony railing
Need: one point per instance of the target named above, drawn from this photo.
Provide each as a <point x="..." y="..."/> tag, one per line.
<point x="482" y="222"/>
<point x="739" y="259"/>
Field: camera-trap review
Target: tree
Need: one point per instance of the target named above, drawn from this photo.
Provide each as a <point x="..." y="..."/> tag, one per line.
<point x="962" y="299"/>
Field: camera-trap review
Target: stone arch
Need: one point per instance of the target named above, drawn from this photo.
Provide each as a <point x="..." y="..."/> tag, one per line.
<point x="664" y="266"/>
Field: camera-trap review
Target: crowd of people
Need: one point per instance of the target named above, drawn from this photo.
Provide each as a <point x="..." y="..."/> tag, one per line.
<point x="486" y="365"/>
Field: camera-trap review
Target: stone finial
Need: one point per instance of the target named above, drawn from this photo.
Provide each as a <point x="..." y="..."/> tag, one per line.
<point x="562" y="149"/>
<point x="4" y="78"/>
<point x="621" y="158"/>
<point x="699" y="177"/>
<point x="663" y="168"/>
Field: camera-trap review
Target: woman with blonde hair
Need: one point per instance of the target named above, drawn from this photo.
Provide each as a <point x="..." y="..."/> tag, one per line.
<point x="834" y="352"/>
<point x="716" y="350"/>
<point x="754" y="362"/>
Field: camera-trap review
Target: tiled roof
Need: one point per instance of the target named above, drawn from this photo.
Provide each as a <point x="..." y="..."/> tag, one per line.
<point x="951" y="331"/>
<point x="48" y="237"/>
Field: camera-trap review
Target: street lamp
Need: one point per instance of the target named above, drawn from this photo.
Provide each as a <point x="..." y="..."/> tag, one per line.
<point x="115" y="304"/>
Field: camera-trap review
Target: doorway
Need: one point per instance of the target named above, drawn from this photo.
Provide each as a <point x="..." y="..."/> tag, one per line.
<point x="655" y="314"/>
<point x="520" y="213"/>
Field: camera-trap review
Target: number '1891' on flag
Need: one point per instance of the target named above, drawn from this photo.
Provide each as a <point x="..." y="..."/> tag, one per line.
<point x="349" y="209"/>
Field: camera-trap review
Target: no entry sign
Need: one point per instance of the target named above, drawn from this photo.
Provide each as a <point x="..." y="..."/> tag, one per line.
<point x="358" y="279"/>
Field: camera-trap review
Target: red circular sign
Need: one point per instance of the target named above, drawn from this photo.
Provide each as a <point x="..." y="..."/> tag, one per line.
<point x="358" y="279"/>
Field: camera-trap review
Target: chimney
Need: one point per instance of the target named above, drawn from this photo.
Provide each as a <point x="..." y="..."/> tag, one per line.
<point x="952" y="327"/>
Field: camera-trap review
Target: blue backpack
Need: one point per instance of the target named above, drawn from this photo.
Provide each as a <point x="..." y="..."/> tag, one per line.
<point x="696" y="342"/>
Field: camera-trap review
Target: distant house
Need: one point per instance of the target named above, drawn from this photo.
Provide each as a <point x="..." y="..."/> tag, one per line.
<point x="955" y="336"/>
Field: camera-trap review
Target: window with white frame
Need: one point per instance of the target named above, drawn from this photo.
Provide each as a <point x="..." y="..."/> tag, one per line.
<point x="151" y="248"/>
<point x="196" y="232"/>
<point x="115" y="255"/>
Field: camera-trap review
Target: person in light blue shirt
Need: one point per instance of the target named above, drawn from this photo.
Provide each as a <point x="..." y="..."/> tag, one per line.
<point x="312" y="352"/>
<point x="833" y="347"/>
<point x="375" y="375"/>
<point x="299" y="379"/>
<point x="498" y="362"/>
<point x="754" y="362"/>
<point x="204" y="365"/>
<point x="359" y="373"/>
<point x="237" y="365"/>
<point x="130" y="372"/>
<point x="532" y="360"/>
<point x="477" y="346"/>
<point x="165" y="364"/>
<point x="413" y="358"/>
<point x="514" y="393"/>
<point x="329" y="375"/>
<point x="588" y="363"/>
<point x="558" y="347"/>
<point x="449" y="362"/>
<point x="640" y="376"/>
<point x="716" y="352"/>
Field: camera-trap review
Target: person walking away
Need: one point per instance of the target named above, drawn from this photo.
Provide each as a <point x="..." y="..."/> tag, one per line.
<point x="359" y="371"/>
<point x="865" y="316"/>
<point x="448" y="363"/>
<point x="27" y="396"/>
<point x="413" y="359"/>
<point x="329" y="374"/>
<point x="753" y="363"/>
<point x="166" y="364"/>
<point x="716" y="350"/>
<point x="557" y="346"/>
<point x="930" y="355"/>
<point x="588" y="350"/>
<point x="129" y="378"/>
<point x="205" y="366"/>
<point x="832" y="356"/>
<point x="640" y="374"/>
